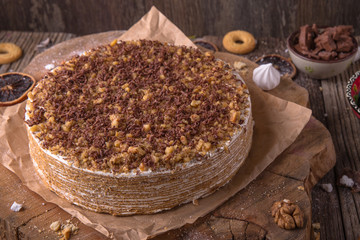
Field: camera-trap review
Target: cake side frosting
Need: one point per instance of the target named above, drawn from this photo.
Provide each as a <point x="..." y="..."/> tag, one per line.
<point x="141" y="194"/>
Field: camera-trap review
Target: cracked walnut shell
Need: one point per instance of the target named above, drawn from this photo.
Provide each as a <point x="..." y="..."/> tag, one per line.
<point x="287" y="215"/>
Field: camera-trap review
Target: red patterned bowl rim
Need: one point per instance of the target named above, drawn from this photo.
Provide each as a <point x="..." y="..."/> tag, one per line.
<point x="349" y="88"/>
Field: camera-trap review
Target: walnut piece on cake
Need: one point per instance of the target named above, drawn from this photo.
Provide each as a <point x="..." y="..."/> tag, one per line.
<point x="137" y="105"/>
<point x="138" y="127"/>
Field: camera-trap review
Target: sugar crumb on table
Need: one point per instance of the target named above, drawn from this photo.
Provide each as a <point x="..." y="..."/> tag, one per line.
<point x="65" y="230"/>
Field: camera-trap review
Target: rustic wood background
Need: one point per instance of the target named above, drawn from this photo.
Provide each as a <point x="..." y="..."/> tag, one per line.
<point x="277" y="18"/>
<point x="338" y="211"/>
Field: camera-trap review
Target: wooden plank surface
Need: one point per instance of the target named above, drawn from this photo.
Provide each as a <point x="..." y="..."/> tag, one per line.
<point x="195" y="17"/>
<point x="249" y="209"/>
<point x="34" y="221"/>
<point x="337" y="211"/>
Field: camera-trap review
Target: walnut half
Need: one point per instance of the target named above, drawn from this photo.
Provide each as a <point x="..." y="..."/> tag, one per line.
<point x="287" y="215"/>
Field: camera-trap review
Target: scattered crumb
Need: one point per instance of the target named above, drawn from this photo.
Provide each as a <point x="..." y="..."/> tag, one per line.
<point x="195" y="202"/>
<point x="73" y="228"/>
<point x="244" y="71"/>
<point x="49" y="66"/>
<point x="346" y="181"/>
<point x="325" y="115"/>
<point x="238" y="65"/>
<point x="16" y="207"/>
<point x="321" y="89"/>
<point x="64" y="230"/>
<point x="327" y="187"/>
<point x="317" y="235"/>
<point x="301" y="188"/>
<point x="241" y="67"/>
<point x="316" y="226"/>
<point x="350" y="178"/>
<point x="55" y="226"/>
<point x="43" y="204"/>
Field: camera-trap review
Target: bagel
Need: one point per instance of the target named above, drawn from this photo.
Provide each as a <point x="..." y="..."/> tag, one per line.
<point x="239" y="42"/>
<point x="9" y="52"/>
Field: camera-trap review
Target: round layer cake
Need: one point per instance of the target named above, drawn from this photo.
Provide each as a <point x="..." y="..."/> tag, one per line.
<point x="137" y="127"/>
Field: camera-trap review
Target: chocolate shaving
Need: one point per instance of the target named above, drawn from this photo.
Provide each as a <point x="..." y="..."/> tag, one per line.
<point x="126" y="105"/>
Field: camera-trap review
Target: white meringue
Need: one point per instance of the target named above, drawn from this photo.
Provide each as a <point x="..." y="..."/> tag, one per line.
<point x="266" y="76"/>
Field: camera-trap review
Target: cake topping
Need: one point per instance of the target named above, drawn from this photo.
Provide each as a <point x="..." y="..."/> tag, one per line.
<point x="137" y="105"/>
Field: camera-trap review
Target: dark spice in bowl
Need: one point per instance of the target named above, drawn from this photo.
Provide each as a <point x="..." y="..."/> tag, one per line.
<point x="280" y="63"/>
<point x="206" y="44"/>
<point x="14" y="87"/>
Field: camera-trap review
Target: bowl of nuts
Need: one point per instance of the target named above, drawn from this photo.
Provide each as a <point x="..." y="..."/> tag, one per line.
<point x="322" y="52"/>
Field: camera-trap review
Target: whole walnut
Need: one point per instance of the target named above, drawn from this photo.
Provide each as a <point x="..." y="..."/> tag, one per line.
<point x="287" y="215"/>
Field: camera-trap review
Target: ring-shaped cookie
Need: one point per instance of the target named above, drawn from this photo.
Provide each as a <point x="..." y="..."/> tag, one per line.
<point x="9" y="52"/>
<point x="239" y="42"/>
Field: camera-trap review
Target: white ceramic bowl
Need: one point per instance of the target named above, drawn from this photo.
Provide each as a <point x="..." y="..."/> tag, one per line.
<point x="319" y="69"/>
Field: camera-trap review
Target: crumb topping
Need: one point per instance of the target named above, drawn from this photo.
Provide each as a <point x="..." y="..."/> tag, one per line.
<point x="137" y="105"/>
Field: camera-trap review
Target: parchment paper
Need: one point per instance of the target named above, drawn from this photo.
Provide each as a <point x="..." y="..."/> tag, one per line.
<point x="277" y="124"/>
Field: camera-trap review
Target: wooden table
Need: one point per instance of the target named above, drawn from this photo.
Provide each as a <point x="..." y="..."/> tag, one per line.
<point x="337" y="212"/>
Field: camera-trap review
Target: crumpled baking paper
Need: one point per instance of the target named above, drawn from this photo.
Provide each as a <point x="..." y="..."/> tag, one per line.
<point x="277" y="124"/>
